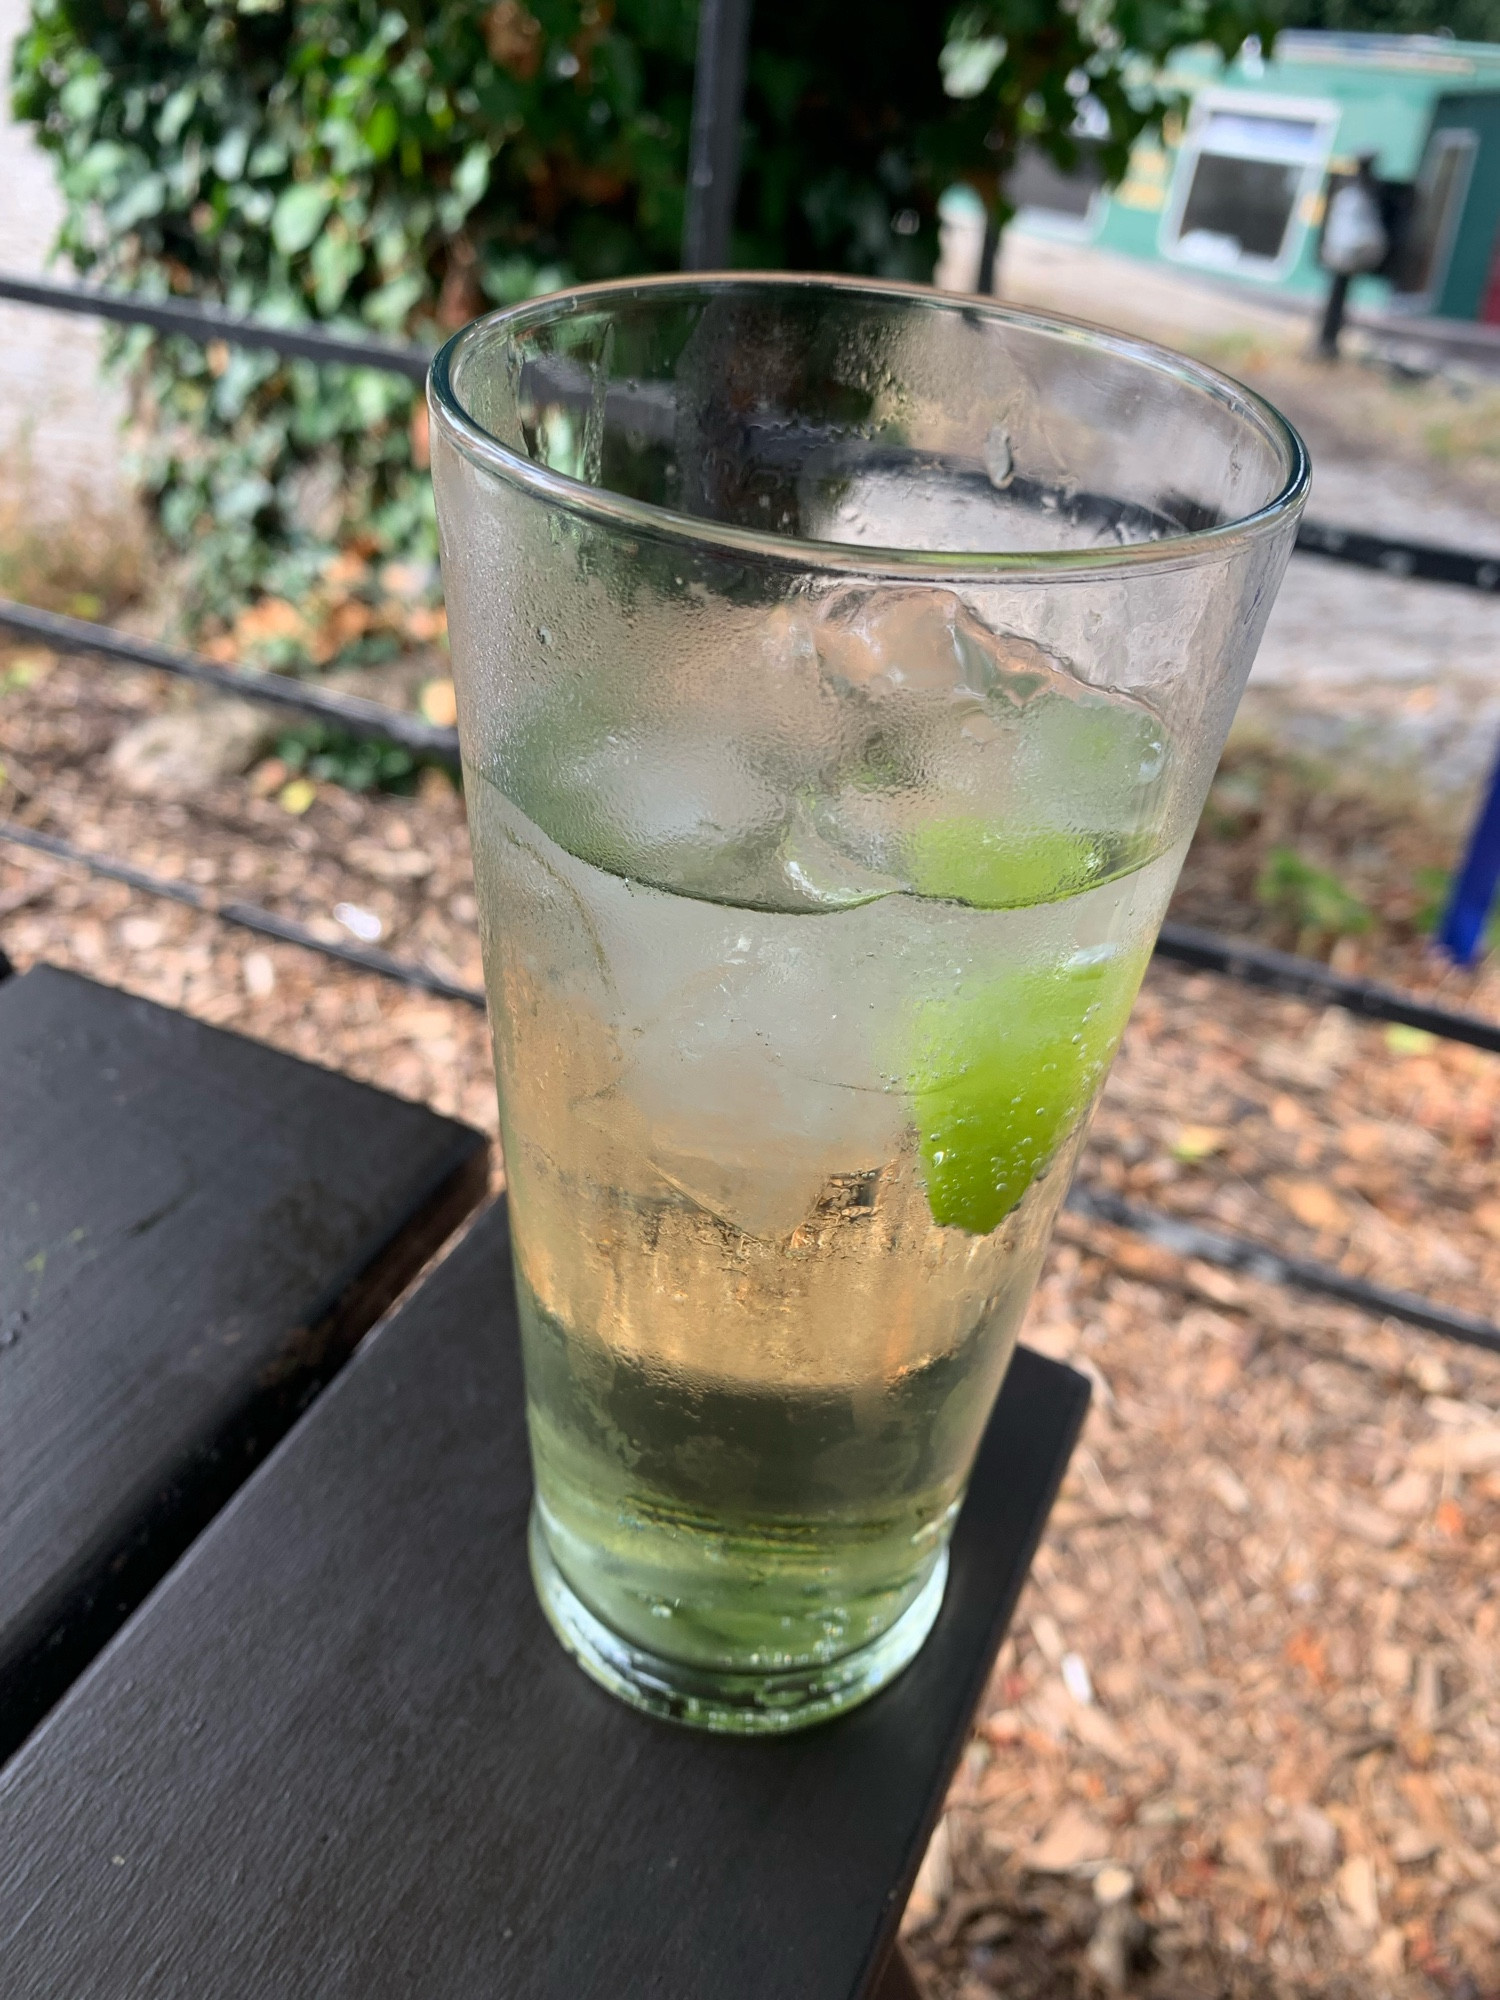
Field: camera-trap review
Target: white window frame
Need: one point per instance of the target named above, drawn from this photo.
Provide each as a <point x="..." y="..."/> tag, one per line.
<point x="1321" y="112"/>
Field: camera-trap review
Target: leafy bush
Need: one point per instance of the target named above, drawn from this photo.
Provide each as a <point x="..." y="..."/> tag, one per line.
<point x="359" y="763"/>
<point x="398" y="165"/>
<point x="381" y="167"/>
<point x="1315" y="901"/>
<point x="1469" y="20"/>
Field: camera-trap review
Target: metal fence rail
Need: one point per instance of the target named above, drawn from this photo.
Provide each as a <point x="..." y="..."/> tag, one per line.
<point x="198" y="321"/>
<point x="347" y="712"/>
<point x="1205" y="951"/>
<point x="1259" y="1260"/>
<point x="1425" y="561"/>
<point x="1310" y="979"/>
<point x="1394" y="555"/>
<point x="247" y="916"/>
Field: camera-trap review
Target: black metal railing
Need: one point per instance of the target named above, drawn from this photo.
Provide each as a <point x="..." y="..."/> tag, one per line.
<point x="1393" y="555"/>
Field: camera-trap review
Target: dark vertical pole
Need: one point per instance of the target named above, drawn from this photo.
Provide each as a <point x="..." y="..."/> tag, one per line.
<point x="1462" y="930"/>
<point x="1333" y="317"/>
<point x="714" y="155"/>
<point x="989" y="252"/>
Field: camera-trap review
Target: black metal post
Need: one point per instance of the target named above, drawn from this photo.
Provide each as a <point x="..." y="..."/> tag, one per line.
<point x="989" y="252"/>
<point x="714" y="155"/>
<point x="1333" y="317"/>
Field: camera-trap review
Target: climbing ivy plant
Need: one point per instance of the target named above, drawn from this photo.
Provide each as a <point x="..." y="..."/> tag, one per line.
<point x="387" y="168"/>
<point x="396" y="166"/>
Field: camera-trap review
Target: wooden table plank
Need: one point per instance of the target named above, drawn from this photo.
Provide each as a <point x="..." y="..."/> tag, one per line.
<point x="194" y="1231"/>
<point x="339" y="1756"/>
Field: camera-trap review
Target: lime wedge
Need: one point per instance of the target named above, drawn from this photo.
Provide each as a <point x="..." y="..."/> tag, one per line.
<point x="1002" y="1074"/>
<point x="992" y="866"/>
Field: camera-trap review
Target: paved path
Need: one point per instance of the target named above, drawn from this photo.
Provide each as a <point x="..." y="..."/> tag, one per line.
<point x="1398" y="679"/>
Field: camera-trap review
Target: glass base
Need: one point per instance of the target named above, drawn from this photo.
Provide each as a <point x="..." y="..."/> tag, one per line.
<point x="734" y="1704"/>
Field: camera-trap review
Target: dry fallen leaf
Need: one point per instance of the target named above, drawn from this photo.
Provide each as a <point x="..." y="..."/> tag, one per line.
<point x="1314" y="1204"/>
<point x="1227" y="1486"/>
<point x="385" y="864"/>
<point x="1197" y="1142"/>
<point x="297" y="796"/>
<point x="439" y="703"/>
<point x="1370" y="1524"/>
<point x="1357" y="1890"/>
<point x="259" y="974"/>
<point x="1412" y="1845"/>
<point x="1449" y="1518"/>
<point x="1220" y="1286"/>
<point x="1392" y="1666"/>
<point x="1460" y="1451"/>
<point x="1387" y="1959"/>
<point x="1409" y="1495"/>
<point x="267" y="777"/>
<point x="270" y="618"/>
<point x="1074" y="1838"/>
<point x="1366" y="1139"/>
<point x="1307" y="1650"/>
<point x="1478" y="1912"/>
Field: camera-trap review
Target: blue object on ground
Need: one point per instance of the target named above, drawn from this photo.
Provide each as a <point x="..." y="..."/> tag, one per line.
<point x="1469" y="901"/>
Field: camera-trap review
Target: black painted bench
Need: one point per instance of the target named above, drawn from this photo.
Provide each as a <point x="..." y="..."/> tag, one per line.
<point x="338" y="1755"/>
<point x="194" y="1232"/>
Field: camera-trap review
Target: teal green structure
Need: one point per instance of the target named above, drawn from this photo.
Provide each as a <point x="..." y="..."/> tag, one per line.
<point x="1236" y="187"/>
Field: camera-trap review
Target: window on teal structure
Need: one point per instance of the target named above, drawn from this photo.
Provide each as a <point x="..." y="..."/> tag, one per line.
<point x="1246" y="164"/>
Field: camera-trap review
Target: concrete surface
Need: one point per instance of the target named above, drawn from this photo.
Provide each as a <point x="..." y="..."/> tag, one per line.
<point x="60" y="453"/>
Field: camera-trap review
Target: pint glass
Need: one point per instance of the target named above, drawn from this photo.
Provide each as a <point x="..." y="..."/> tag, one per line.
<point x="841" y="669"/>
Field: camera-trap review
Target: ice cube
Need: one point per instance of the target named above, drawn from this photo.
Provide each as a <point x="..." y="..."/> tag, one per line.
<point x="749" y="1072"/>
<point x="988" y="773"/>
<point x="1094" y="760"/>
<point x="679" y="810"/>
<point x="816" y="875"/>
<point x="879" y="642"/>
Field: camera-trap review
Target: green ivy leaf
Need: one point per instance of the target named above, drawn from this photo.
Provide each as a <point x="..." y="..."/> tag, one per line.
<point x="300" y="213"/>
<point x="175" y="114"/>
<point x="144" y="197"/>
<point x="382" y="130"/>
<point x="230" y="154"/>
<point x="388" y="307"/>
<point x="337" y="258"/>
<point x="472" y="175"/>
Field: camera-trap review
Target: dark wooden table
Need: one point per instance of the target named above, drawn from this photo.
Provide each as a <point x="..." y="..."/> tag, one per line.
<point x="194" y="1231"/>
<point x="339" y="1756"/>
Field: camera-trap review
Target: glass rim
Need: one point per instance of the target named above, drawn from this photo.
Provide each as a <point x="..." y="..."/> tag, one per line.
<point x="1189" y="548"/>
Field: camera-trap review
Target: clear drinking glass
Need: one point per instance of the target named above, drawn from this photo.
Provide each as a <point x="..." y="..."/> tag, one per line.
<point x="841" y="669"/>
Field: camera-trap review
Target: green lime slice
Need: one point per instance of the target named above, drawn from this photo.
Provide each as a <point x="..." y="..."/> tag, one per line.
<point x="1002" y="1074"/>
<point x="992" y="866"/>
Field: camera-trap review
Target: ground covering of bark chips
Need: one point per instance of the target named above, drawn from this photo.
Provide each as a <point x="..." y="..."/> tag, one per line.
<point x="1245" y="1737"/>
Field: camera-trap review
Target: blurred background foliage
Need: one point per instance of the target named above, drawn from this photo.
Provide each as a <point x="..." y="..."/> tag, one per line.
<point x="397" y="168"/>
<point x="1468" y="20"/>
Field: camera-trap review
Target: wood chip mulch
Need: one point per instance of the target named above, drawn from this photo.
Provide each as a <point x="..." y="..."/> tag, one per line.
<point x="1245" y="1737"/>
